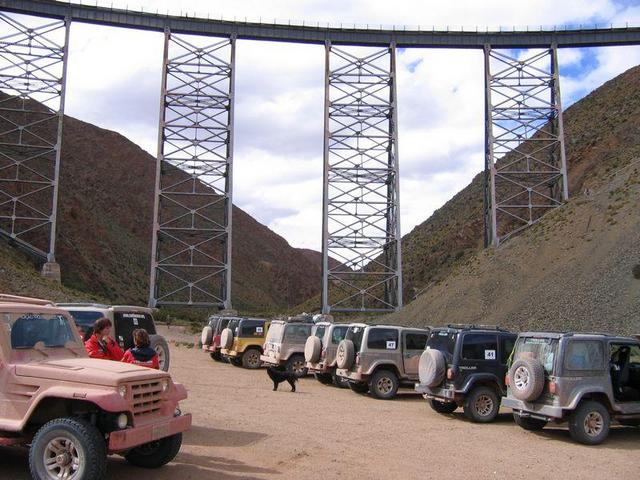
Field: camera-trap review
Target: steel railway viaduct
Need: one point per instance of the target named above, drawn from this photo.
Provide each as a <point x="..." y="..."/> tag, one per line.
<point x="525" y="166"/>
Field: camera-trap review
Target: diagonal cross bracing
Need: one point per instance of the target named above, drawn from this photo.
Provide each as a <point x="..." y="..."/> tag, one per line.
<point x="33" y="57"/>
<point x="525" y="168"/>
<point x="361" y="226"/>
<point x="191" y="251"/>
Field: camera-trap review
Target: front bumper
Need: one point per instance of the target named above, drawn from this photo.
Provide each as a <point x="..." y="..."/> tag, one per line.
<point x="448" y="394"/>
<point x="121" y="440"/>
<point x="535" y="410"/>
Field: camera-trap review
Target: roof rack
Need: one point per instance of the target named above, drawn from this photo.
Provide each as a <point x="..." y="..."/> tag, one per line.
<point x="473" y="326"/>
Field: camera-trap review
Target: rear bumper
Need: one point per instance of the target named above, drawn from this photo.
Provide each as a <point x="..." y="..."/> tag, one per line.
<point x="229" y="353"/>
<point x="268" y="359"/>
<point x="133" y="437"/>
<point x="448" y="394"/>
<point x="356" y="377"/>
<point x="535" y="410"/>
<point x="320" y="367"/>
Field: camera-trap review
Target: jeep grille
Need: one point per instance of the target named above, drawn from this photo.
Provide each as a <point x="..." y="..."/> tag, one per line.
<point x="146" y="398"/>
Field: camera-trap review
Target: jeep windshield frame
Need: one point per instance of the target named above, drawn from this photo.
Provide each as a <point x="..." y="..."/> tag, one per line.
<point x="544" y="349"/>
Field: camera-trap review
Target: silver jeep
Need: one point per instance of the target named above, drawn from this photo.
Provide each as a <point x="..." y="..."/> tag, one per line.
<point x="380" y="358"/>
<point x="284" y="345"/>
<point x="585" y="379"/>
<point x="320" y="352"/>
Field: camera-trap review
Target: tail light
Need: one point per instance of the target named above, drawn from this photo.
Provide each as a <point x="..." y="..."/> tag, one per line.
<point x="507" y="380"/>
<point x="358" y="359"/>
<point x="450" y="374"/>
<point x="323" y="354"/>
<point x="553" y="387"/>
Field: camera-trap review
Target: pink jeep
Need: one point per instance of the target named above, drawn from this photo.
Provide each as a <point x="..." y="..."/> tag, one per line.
<point x="72" y="410"/>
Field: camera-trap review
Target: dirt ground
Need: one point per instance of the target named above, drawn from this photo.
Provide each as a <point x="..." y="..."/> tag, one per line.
<point x="242" y="429"/>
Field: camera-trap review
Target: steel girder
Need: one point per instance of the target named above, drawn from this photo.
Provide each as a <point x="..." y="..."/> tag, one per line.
<point x="33" y="65"/>
<point x="361" y="205"/>
<point x="525" y="164"/>
<point x="191" y="250"/>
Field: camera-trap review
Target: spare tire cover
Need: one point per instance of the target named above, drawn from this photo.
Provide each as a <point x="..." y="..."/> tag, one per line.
<point x="346" y="354"/>
<point x="312" y="349"/>
<point x="207" y="335"/>
<point x="432" y="367"/>
<point x="526" y="379"/>
<point x="226" y="339"/>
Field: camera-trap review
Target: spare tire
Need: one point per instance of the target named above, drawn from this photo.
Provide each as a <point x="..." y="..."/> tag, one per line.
<point x="312" y="349"/>
<point x="432" y="367"/>
<point x="161" y="347"/>
<point x="346" y="354"/>
<point x="226" y="339"/>
<point x="526" y="379"/>
<point x="207" y="336"/>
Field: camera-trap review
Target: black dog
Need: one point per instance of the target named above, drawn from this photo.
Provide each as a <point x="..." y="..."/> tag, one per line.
<point x="279" y="375"/>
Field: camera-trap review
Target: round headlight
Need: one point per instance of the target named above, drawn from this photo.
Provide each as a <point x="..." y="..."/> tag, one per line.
<point x="122" y="421"/>
<point x="122" y="390"/>
<point x="165" y="384"/>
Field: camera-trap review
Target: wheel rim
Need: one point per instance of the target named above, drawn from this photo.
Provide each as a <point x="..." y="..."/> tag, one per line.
<point x="593" y="424"/>
<point x="521" y="378"/>
<point x="253" y="359"/>
<point x="62" y="460"/>
<point x="162" y="357"/>
<point x="484" y="405"/>
<point x="385" y="385"/>
<point x="298" y="367"/>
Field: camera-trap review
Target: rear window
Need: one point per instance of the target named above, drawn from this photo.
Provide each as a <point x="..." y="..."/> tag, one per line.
<point x="382" y="339"/>
<point x="126" y="322"/>
<point x="85" y="320"/>
<point x="507" y="347"/>
<point x="251" y="328"/>
<point x="274" y="335"/>
<point x="338" y="334"/>
<point x="233" y="326"/>
<point x="416" y="341"/>
<point x="319" y="331"/>
<point x="355" y="335"/>
<point x="584" y="355"/>
<point x="297" y="333"/>
<point x="443" y="340"/>
<point x="542" y="349"/>
<point x="480" y="346"/>
<point x="221" y="325"/>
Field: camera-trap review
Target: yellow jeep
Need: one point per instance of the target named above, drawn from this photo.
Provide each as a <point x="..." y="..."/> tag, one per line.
<point x="242" y="341"/>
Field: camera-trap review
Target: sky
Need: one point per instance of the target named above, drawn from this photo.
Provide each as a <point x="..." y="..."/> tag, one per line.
<point x="114" y="82"/>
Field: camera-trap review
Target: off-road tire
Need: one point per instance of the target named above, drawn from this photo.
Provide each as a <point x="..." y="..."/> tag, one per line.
<point x="346" y="354"/>
<point x="155" y="454"/>
<point x="443" y="407"/>
<point x="235" y="361"/>
<point x="526" y="379"/>
<point x="323" y="378"/>
<point x="338" y="381"/>
<point x="384" y="384"/>
<point x="528" y="423"/>
<point x="251" y="359"/>
<point x="432" y="367"/>
<point x="589" y="423"/>
<point x="360" y="388"/>
<point x="207" y="336"/>
<point x="160" y="345"/>
<point x="226" y="338"/>
<point x="312" y="349"/>
<point x="217" y="356"/>
<point x="296" y="365"/>
<point x="87" y="440"/>
<point x="481" y="405"/>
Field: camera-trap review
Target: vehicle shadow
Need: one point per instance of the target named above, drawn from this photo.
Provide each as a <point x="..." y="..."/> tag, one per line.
<point x="214" y="437"/>
<point x="620" y="438"/>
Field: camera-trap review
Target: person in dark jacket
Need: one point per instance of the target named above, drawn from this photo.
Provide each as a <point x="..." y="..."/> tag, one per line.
<point x="142" y="354"/>
<point x="100" y="344"/>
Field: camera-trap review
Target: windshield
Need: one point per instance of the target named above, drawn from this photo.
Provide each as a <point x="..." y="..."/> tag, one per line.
<point x="355" y="335"/>
<point x="541" y="349"/>
<point x="274" y="335"/>
<point x="26" y="330"/>
<point x="443" y="340"/>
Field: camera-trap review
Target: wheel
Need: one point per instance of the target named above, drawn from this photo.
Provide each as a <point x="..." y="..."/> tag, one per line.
<point x="339" y="382"/>
<point x="528" y="423"/>
<point x="155" y="454"/>
<point x="251" y="359"/>
<point x="481" y="405"/>
<point x="323" y="378"/>
<point x="589" y="423"/>
<point x="296" y="365"/>
<point x="235" y="361"/>
<point x="432" y="367"/>
<point x="217" y="356"/>
<point x="443" y="407"/>
<point x="68" y="448"/>
<point x="384" y="384"/>
<point x="527" y="379"/>
<point x="358" y="387"/>
<point x="160" y="345"/>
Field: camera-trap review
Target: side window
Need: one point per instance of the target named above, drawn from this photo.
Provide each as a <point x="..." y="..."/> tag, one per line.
<point x="480" y="346"/>
<point x="507" y="347"/>
<point x="415" y="341"/>
<point x="383" y="339"/>
<point x="338" y="334"/>
<point x="320" y="331"/>
<point x="584" y="355"/>
<point x="635" y="355"/>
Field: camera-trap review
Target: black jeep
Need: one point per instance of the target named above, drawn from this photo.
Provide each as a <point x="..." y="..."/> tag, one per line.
<point x="465" y="366"/>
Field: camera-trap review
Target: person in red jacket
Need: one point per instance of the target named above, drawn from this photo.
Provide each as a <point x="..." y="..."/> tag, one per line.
<point x="142" y="354"/>
<point x="100" y="344"/>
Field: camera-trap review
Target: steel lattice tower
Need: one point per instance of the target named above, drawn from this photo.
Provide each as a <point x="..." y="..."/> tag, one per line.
<point x="33" y="64"/>
<point x="525" y="164"/>
<point x="361" y="206"/>
<point x="191" y="250"/>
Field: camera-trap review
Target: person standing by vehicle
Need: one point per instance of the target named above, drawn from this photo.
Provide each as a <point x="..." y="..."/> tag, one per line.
<point x="142" y="354"/>
<point x="100" y="344"/>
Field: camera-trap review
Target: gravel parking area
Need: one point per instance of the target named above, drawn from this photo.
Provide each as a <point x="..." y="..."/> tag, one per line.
<point x="242" y="429"/>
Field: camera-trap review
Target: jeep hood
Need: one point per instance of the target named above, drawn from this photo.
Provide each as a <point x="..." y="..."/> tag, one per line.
<point x="88" y="371"/>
